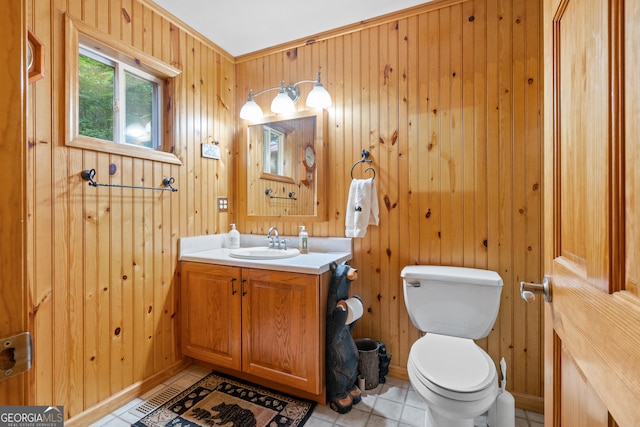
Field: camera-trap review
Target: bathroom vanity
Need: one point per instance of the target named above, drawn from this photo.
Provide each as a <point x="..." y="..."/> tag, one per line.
<point x="259" y="320"/>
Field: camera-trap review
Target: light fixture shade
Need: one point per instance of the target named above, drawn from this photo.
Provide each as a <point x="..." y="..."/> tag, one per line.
<point x="282" y="104"/>
<point x="319" y="97"/>
<point x="251" y="111"/>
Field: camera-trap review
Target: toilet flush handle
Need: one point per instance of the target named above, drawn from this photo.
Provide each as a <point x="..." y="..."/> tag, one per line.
<point x="413" y="284"/>
<point x="529" y="290"/>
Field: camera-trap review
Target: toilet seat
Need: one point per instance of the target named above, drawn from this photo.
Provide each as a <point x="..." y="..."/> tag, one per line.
<point x="452" y="367"/>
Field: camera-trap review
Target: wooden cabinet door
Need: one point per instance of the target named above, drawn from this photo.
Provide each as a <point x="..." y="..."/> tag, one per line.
<point x="211" y="298"/>
<point x="592" y="240"/>
<point x="281" y="332"/>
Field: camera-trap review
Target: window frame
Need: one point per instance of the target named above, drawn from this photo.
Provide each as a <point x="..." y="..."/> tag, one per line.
<point x="267" y="152"/>
<point x="79" y="34"/>
<point x="121" y="70"/>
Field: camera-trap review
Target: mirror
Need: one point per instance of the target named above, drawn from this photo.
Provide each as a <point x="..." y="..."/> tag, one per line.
<point x="285" y="173"/>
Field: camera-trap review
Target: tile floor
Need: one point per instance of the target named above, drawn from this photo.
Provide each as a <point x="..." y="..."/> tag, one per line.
<point x="393" y="404"/>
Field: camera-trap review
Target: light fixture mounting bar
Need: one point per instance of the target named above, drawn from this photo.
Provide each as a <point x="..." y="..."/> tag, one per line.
<point x="292" y="90"/>
<point x="287" y="96"/>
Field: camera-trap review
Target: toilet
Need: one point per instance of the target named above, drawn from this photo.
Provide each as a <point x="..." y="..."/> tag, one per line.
<point x="454" y="306"/>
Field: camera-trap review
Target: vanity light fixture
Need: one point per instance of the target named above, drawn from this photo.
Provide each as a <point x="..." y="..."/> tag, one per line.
<point x="284" y="102"/>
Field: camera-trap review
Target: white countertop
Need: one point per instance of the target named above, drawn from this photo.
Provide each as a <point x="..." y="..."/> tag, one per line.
<point x="323" y="251"/>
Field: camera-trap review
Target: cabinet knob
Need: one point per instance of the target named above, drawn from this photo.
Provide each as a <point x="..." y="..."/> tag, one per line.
<point x="242" y="285"/>
<point x="233" y="286"/>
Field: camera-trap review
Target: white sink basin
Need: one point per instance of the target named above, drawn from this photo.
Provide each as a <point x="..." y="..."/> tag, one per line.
<point x="261" y="252"/>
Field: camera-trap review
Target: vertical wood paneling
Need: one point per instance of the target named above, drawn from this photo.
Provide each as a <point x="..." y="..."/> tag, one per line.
<point x="409" y="211"/>
<point x="103" y="291"/>
<point x="374" y="250"/>
<point x="533" y="201"/>
<point x="445" y="160"/>
<point x="196" y="88"/>
<point x="167" y="301"/>
<point x="129" y="335"/>
<point x="139" y="350"/>
<point x="116" y="284"/>
<point x="367" y="270"/>
<point x="88" y="8"/>
<point x="207" y="67"/>
<point x="519" y="178"/>
<point x="468" y="209"/>
<point x="147" y="30"/>
<point x="115" y="23"/>
<point x="72" y="285"/>
<point x="447" y="101"/>
<point x="457" y="139"/>
<point x="508" y="140"/>
<point x="433" y="139"/>
<point x="88" y="258"/>
<point x="389" y="202"/>
<point x="149" y="282"/>
<point x="158" y="284"/>
<point x="102" y="11"/>
<point x="401" y="248"/>
<point x="125" y="18"/>
<point x="101" y="261"/>
<point x="477" y="18"/>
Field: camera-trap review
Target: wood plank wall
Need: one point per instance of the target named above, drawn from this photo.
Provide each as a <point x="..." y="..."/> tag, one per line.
<point x="447" y="100"/>
<point x="101" y="262"/>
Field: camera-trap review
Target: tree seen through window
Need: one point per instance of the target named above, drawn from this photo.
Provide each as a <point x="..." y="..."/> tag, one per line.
<point x="115" y="104"/>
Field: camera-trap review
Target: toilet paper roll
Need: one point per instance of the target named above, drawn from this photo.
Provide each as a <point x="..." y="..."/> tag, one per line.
<point x="361" y="383"/>
<point x="354" y="310"/>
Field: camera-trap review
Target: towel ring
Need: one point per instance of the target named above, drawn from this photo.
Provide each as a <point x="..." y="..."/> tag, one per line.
<point x="364" y="159"/>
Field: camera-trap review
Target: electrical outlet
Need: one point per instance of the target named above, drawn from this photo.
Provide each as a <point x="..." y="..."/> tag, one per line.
<point x="223" y="204"/>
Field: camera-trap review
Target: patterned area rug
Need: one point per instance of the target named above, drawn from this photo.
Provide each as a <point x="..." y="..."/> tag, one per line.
<point x="217" y="400"/>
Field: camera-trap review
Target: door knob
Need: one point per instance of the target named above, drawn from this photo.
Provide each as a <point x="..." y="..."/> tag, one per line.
<point x="529" y="290"/>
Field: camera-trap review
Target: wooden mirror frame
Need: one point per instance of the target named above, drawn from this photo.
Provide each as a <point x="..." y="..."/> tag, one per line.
<point x="281" y="189"/>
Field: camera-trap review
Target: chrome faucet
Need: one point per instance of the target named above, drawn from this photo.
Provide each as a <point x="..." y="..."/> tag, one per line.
<point x="274" y="239"/>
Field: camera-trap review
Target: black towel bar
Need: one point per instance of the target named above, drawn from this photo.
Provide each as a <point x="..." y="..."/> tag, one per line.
<point x="89" y="174"/>
<point x="291" y="195"/>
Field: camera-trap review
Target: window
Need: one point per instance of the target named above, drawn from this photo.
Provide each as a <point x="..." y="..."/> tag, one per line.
<point x="116" y="97"/>
<point x="117" y="102"/>
<point x="97" y="99"/>
<point x="273" y="150"/>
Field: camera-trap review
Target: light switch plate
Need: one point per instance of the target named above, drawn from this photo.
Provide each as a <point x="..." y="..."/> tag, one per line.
<point x="210" y="151"/>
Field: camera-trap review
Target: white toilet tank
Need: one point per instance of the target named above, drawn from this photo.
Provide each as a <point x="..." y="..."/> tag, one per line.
<point x="453" y="301"/>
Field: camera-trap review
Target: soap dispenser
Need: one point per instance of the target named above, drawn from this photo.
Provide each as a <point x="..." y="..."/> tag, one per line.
<point x="233" y="238"/>
<point x="303" y="240"/>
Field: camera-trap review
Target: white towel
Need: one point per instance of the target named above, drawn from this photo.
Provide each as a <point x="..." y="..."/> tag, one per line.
<point x="362" y="207"/>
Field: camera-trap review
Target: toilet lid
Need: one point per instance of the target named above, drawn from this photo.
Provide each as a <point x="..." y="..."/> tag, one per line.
<point x="452" y="363"/>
